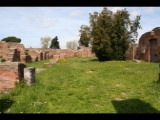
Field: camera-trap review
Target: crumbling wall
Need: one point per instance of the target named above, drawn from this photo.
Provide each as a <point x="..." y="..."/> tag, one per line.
<point x="144" y="49"/>
<point x="131" y="53"/>
<point x="85" y="52"/>
<point x="10" y="74"/>
<point x="40" y="53"/>
<point x="11" y="51"/>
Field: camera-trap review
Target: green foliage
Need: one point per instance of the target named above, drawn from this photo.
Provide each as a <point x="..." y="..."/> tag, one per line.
<point x="45" y="42"/>
<point x="110" y="33"/>
<point x="11" y="39"/>
<point x="72" y="45"/>
<point x="3" y="60"/>
<point x="26" y="53"/>
<point x="84" y="36"/>
<point x="55" y="43"/>
<point x="101" y="25"/>
<point x="85" y="85"/>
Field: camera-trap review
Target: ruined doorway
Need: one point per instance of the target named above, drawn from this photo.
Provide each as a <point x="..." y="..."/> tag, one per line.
<point x="153" y="50"/>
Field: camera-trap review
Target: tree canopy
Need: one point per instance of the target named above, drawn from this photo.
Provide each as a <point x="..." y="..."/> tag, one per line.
<point x="45" y="42"/>
<point x="55" y="43"/>
<point x="72" y="45"/>
<point x="111" y="33"/>
<point x="84" y="36"/>
<point x="11" y="39"/>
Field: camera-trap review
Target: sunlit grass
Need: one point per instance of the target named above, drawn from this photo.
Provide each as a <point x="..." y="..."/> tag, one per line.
<point x="85" y="85"/>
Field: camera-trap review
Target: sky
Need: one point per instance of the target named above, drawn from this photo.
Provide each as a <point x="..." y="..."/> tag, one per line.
<point x="30" y="24"/>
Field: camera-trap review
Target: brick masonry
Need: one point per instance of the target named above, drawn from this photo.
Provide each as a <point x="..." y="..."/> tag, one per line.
<point x="16" y="55"/>
<point x="131" y="53"/>
<point x="10" y="74"/>
<point x="149" y="46"/>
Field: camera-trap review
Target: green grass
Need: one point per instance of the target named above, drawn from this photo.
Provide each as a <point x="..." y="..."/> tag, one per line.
<point x="84" y="85"/>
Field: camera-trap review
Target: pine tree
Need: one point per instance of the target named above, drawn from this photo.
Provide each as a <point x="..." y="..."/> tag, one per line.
<point x="55" y="43"/>
<point x="84" y="36"/>
<point x="111" y="33"/>
<point x="124" y="33"/>
<point x="101" y="25"/>
<point x="11" y="39"/>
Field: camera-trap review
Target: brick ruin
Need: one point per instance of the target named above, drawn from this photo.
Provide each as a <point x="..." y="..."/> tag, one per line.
<point x="16" y="55"/>
<point x="11" y="51"/>
<point x="10" y="74"/>
<point x="131" y="53"/>
<point x="148" y="47"/>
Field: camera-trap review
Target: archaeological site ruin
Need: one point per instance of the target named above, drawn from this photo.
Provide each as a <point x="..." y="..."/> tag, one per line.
<point x="13" y="56"/>
<point x="148" y="47"/>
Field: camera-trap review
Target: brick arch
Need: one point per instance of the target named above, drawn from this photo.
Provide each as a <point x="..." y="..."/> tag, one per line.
<point x="149" y="46"/>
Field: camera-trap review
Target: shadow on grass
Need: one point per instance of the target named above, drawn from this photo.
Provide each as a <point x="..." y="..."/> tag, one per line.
<point x="5" y="104"/>
<point x="133" y="106"/>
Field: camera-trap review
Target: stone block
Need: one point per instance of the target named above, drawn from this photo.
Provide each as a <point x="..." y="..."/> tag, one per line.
<point x="29" y="75"/>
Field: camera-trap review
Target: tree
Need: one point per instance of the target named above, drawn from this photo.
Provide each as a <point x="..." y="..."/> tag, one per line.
<point x="84" y="36"/>
<point x="101" y="26"/>
<point x="55" y="43"/>
<point x="11" y="39"/>
<point x="45" y="42"/>
<point x="72" y="45"/>
<point x="111" y="33"/>
<point x="125" y="32"/>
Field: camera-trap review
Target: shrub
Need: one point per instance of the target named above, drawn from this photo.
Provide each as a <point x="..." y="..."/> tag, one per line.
<point x="3" y="60"/>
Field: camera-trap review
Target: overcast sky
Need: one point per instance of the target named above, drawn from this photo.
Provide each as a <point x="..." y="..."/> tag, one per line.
<point x="32" y="23"/>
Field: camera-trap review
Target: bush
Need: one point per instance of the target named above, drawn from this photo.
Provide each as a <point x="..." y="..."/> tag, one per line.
<point x="26" y="53"/>
<point x="3" y="60"/>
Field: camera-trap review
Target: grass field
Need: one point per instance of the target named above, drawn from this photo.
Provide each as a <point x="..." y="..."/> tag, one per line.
<point x="85" y="85"/>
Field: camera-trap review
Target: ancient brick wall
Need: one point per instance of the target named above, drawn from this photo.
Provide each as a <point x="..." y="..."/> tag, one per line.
<point x="4" y="50"/>
<point x="149" y="46"/>
<point x="40" y="53"/>
<point x="11" y="51"/>
<point x="47" y="53"/>
<point x="18" y="46"/>
<point x="10" y="74"/>
<point x="85" y="52"/>
<point x="131" y="53"/>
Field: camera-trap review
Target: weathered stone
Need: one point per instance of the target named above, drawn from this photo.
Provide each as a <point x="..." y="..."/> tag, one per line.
<point x="11" y="51"/>
<point x="26" y="58"/>
<point x="131" y="53"/>
<point x="34" y="58"/>
<point x="55" y="56"/>
<point x="29" y="75"/>
<point x="47" y="64"/>
<point x="62" y="56"/>
<point x="44" y="55"/>
<point x="38" y="70"/>
<point x="54" y="61"/>
<point x="11" y="73"/>
<point x="149" y="46"/>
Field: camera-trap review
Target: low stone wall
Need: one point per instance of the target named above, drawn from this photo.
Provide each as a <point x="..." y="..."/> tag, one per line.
<point x="29" y="75"/>
<point x="47" y="53"/>
<point x="10" y="73"/>
<point x="11" y="51"/>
